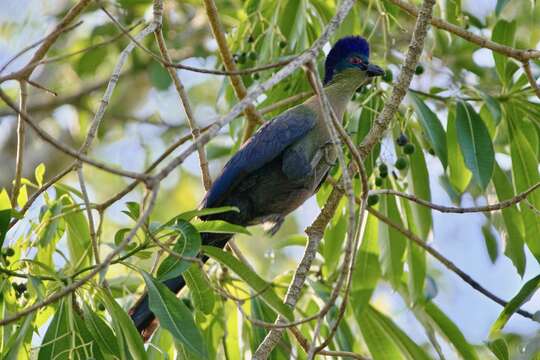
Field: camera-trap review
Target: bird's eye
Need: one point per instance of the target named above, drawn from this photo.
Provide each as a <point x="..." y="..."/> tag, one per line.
<point x="355" y="60"/>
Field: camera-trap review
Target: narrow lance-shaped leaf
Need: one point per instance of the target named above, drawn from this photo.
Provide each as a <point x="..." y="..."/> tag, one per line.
<point x="385" y="340"/>
<point x="524" y="295"/>
<point x="57" y="339"/>
<point x="512" y="221"/>
<point x="101" y="332"/>
<point x="252" y="279"/>
<point x="124" y="325"/>
<point x="432" y="127"/>
<point x="450" y="331"/>
<point x="419" y="182"/>
<point x="174" y="316"/>
<point x="391" y="242"/>
<point x="188" y="244"/>
<point x="504" y="33"/>
<point x="525" y="173"/>
<point x="499" y="348"/>
<point x="202" y="294"/>
<point x="458" y="174"/>
<point x="221" y="227"/>
<point x="475" y="143"/>
<point x="367" y="270"/>
<point x="5" y="214"/>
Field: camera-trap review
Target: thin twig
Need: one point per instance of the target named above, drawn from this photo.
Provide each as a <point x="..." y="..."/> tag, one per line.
<point x="460" y="210"/>
<point x="19" y="162"/>
<point x="447" y="263"/>
<point x="30" y="47"/>
<point x="49" y="40"/>
<point x="195" y="132"/>
<point x="253" y="118"/>
<point x="518" y="54"/>
<point x="530" y="77"/>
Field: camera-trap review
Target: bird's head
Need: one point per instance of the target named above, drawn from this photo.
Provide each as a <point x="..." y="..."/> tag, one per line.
<point x="350" y="53"/>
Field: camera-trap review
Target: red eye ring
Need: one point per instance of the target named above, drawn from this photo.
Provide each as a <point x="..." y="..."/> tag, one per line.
<point x="355" y="60"/>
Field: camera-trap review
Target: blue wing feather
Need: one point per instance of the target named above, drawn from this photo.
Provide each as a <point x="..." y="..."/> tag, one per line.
<point x="264" y="146"/>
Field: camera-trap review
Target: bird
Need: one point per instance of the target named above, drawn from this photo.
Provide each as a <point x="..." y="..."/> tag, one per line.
<point x="283" y="164"/>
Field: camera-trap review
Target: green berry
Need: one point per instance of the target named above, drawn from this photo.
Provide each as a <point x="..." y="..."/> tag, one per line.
<point x="372" y="200"/>
<point x="383" y="168"/>
<point x="431" y="151"/>
<point x="383" y="174"/>
<point x="9" y="252"/>
<point x="252" y="56"/>
<point x="388" y="76"/>
<point x="419" y="70"/>
<point x="401" y="163"/>
<point x="402" y="140"/>
<point x="378" y="181"/>
<point x="101" y="307"/>
<point x="242" y="58"/>
<point x="409" y="149"/>
<point x="256" y="76"/>
<point x="250" y="39"/>
<point x="282" y="44"/>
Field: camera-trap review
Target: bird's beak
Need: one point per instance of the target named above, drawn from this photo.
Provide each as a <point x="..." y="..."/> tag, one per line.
<point x="374" y="70"/>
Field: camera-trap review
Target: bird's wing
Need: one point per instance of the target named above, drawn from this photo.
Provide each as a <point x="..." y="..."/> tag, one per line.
<point x="264" y="146"/>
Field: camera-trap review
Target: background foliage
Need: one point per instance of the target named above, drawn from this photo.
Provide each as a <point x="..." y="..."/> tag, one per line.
<point x="472" y="119"/>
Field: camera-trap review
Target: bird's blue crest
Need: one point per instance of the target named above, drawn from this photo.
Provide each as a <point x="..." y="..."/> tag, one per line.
<point x="343" y="48"/>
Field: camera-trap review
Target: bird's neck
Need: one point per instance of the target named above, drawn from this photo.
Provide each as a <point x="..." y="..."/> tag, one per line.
<point x="340" y="90"/>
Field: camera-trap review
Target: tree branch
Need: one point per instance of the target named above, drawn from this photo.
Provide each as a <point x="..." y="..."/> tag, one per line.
<point x="518" y="54"/>
<point x="253" y="118"/>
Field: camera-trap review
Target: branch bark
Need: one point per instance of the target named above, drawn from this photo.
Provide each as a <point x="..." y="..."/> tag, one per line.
<point x="253" y="118"/>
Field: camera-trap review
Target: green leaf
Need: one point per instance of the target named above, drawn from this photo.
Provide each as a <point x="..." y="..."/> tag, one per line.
<point x="432" y="127"/>
<point x="124" y="325"/>
<point x="524" y="295"/>
<point x="391" y="242"/>
<point x="525" y="172"/>
<point x="188" y="244"/>
<point x="458" y="174"/>
<point x="174" y="316"/>
<point x="475" y="143"/>
<point x="416" y="259"/>
<point x="202" y="294"/>
<point x="221" y="227"/>
<point x="450" y="331"/>
<point x="159" y="76"/>
<point x="491" y="242"/>
<point x="22" y="335"/>
<point x="78" y="238"/>
<point x="500" y="6"/>
<point x="252" y="6"/>
<point x="101" y="332"/>
<point x="189" y="215"/>
<point x="39" y="174"/>
<point x="133" y="210"/>
<point x="253" y="280"/>
<point x="90" y="61"/>
<point x="5" y="215"/>
<point x="57" y="340"/>
<point x="499" y="348"/>
<point x="367" y="270"/>
<point x="504" y="33"/>
<point x="512" y="221"/>
<point x="385" y="340"/>
<point x="334" y="235"/>
<point x="419" y="184"/>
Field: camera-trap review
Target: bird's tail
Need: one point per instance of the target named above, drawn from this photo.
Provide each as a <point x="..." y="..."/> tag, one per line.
<point x="140" y="313"/>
